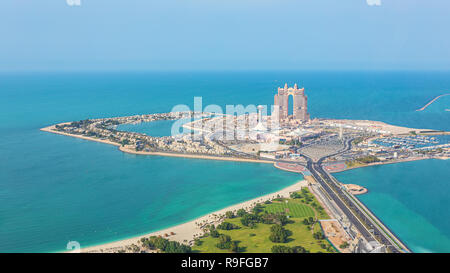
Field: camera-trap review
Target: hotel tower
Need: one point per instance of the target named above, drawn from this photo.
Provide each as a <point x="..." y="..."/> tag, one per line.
<point x="300" y="105"/>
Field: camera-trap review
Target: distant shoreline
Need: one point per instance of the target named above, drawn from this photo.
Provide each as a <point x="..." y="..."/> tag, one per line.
<point x="51" y="129"/>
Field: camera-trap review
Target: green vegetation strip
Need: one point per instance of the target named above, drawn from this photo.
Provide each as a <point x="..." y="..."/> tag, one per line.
<point x="285" y="225"/>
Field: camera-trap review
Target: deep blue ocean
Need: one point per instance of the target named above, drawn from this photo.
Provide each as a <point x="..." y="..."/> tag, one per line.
<point x="55" y="189"/>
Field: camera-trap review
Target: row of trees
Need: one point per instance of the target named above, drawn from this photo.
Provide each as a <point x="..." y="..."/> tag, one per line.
<point x="287" y="249"/>
<point x="293" y="142"/>
<point x="368" y="159"/>
<point x="165" y="245"/>
<point x="225" y="241"/>
<point x="259" y="215"/>
<point x="227" y="226"/>
<point x="303" y="194"/>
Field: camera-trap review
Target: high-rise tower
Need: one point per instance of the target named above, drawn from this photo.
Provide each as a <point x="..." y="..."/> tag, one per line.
<point x="300" y="103"/>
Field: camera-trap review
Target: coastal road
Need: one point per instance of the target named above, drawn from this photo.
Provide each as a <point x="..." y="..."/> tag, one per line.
<point x="367" y="224"/>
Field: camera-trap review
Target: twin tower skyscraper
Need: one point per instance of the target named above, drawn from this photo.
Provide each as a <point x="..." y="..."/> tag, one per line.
<point x="281" y="104"/>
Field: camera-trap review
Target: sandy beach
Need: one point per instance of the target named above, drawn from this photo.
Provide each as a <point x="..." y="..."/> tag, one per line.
<point x="376" y="125"/>
<point x="127" y="150"/>
<point x="186" y="232"/>
<point x="51" y="129"/>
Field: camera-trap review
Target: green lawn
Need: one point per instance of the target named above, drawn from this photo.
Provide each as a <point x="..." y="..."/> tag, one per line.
<point x="299" y="207"/>
<point x="256" y="240"/>
<point x="293" y="208"/>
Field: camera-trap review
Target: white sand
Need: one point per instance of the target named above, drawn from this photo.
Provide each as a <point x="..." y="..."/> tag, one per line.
<point x="185" y="233"/>
<point x="209" y="157"/>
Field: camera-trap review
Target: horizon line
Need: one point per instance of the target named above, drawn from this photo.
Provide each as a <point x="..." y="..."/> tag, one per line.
<point x="219" y="70"/>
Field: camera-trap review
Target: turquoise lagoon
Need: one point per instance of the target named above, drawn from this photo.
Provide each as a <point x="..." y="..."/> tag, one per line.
<point x="55" y="189"/>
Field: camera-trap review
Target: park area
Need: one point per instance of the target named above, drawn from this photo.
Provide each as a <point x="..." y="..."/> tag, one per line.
<point x="286" y="225"/>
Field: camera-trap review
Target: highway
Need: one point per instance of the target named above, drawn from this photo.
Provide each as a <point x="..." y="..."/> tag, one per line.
<point x="370" y="228"/>
<point x="367" y="224"/>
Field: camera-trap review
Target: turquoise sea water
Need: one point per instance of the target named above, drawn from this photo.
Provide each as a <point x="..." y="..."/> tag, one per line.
<point x="54" y="189"/>
<point x="411" y="198"/>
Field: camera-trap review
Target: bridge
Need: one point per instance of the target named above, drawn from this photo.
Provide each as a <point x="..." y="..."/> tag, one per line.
<point x="371" y="228"/>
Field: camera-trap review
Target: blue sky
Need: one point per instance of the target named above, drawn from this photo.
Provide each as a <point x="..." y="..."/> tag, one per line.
<point x="224" y="34"/>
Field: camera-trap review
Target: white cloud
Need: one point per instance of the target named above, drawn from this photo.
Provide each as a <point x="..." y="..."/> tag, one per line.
<point x="373" y="2"/>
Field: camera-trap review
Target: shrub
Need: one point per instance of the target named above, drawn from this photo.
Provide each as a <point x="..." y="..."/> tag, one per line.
<point x="224" y="242"/>
<point x="281" y="219"/>
<point x="278" y="234"/>
<point x="281" y="249"/>
<point x="241" y="212"/>
<point x="286" y="249"/>
<point x="165" y="245"/>
<point x="295" y="195"/>
<point x="257" y="209"/>
<point x="319" y="235"/>
<point x="229" y="214"/>
<point x="227" y="226"/>
<point x="213" y="232"/>
<point x="235" y="246"/>
<point x="249" y="220"/>
<point x="299" y="249"/>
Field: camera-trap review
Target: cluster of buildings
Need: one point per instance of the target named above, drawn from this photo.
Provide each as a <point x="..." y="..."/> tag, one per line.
<point x="279" y="136"/>
<point x="275" y="136"/>
<point x="187" y="145"/>
<point x="106" y="130"/>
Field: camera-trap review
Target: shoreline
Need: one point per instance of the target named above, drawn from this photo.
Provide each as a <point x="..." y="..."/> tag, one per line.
<point x="209" y="157"/>
<point x="384" y="163"/>
<point x="50" y="129"/>
<point x="186" y="232"/>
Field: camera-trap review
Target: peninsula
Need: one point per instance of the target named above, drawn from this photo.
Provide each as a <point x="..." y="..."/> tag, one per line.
<point x="313" y="147"/>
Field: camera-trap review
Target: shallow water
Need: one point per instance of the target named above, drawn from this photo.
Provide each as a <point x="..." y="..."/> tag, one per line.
<point x="54" y="189"/>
